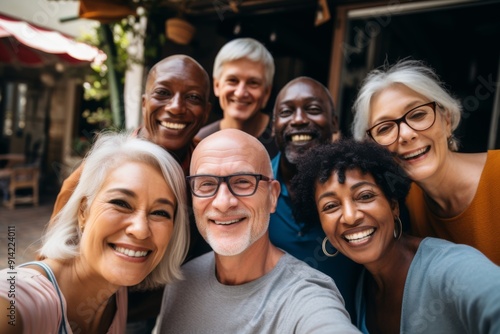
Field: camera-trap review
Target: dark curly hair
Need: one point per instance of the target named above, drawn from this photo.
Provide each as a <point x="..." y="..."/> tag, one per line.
<point x="319" y="162"/>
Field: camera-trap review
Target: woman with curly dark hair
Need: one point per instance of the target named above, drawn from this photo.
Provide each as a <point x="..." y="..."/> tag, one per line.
<point x="410" y="285"/>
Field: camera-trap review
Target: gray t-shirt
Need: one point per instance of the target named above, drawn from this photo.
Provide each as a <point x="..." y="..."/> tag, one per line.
<point x="449" y="288"/>
<point x="292" y="298"/>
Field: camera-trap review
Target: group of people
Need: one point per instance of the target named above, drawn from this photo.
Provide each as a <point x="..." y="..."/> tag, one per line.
<point x="270" y="223"/>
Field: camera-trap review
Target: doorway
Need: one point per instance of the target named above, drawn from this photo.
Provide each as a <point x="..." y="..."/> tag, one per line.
<point x="459" y="39"/>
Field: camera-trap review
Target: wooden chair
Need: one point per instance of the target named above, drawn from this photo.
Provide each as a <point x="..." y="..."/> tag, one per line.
<point x="26" y="177"/>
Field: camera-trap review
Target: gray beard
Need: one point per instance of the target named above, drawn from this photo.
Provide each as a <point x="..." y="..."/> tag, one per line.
<point x="294" y="156"/>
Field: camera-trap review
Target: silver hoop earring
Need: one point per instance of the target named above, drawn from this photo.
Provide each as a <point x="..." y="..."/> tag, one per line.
<point x="323" y="246"/>
<point x="398" y="230"/>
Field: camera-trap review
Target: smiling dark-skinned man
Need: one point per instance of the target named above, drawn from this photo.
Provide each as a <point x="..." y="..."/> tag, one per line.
<point x="304" y="116"/>
<point x="175" y="105"/>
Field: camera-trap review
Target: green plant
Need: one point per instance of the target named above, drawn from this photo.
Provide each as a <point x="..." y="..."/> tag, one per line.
<point x="101" y="116"/>
<point x="104" y="83"/>
<point x="81" y="145"/>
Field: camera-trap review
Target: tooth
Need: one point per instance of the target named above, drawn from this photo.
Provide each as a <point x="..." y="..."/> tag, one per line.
<point x="226" y="222"/>
<point x="176" y="126"/>
<point x="359" y="235"/>
<point x="130" y="252"/>
<point x="411" y="155"/>
<point x="301" y="138"/>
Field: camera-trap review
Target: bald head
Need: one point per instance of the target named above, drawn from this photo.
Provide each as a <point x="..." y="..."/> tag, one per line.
<point x="310" y="82"/>
<point x="303" y="117"/>
<point x="232" y="144"/>
<point x="175" y="104"/>
<point x="180" y="62"/>
<point x="232" y="169"/>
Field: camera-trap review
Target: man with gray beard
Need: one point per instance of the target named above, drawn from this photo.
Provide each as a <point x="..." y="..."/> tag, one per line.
<point x="246" y="285"/>
<point x="304" y="117"/>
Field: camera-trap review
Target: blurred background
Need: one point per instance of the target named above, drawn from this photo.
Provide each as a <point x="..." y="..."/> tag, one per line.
<point x="71" y="68"/>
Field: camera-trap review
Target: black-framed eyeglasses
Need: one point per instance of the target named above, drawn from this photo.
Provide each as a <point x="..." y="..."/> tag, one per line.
<point x="241" y="184"/>
<point x="419" y="119"/>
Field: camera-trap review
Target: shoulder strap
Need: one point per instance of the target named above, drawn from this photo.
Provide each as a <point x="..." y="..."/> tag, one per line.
<point x="52" y="279"/>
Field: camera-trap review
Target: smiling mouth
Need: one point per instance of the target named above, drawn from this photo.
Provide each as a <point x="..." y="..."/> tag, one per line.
<point x="130" y="252"/>
<point x="241" y="103"/>
<point x="415" y="154"/>
<point x="301" y="138"/>
<point x="227" y="222"/>
<point x="173" y="126"/>
<point x="359" y="237"/>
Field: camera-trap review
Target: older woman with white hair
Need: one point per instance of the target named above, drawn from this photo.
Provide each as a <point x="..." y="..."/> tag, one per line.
<point x="455" y="196"/>
<point x="124" y="225"/>
<point x="243" y="78"/>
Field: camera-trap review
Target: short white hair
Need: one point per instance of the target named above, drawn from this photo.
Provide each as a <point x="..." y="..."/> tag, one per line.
<point x="62" y="239"/>
<point x="415" y="75"/>
<point x="245" y="48"/>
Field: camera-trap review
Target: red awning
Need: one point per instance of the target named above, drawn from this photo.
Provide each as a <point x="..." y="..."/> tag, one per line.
<point x="27" y="45"/>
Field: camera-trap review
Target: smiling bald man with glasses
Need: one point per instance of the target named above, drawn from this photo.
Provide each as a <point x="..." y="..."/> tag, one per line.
<point x="246" y="285"/>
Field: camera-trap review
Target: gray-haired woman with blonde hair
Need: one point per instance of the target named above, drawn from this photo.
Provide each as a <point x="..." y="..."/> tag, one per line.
<point x="124" y="225"/>
<point x="455" y="196"/>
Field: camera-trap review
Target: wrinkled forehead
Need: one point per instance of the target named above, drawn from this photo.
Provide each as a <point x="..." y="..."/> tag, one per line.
<point x="304" y="91"/>
<point x="304" y="88"/>
<point x="225" y="156"/>
<point x="178" y="68"/>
